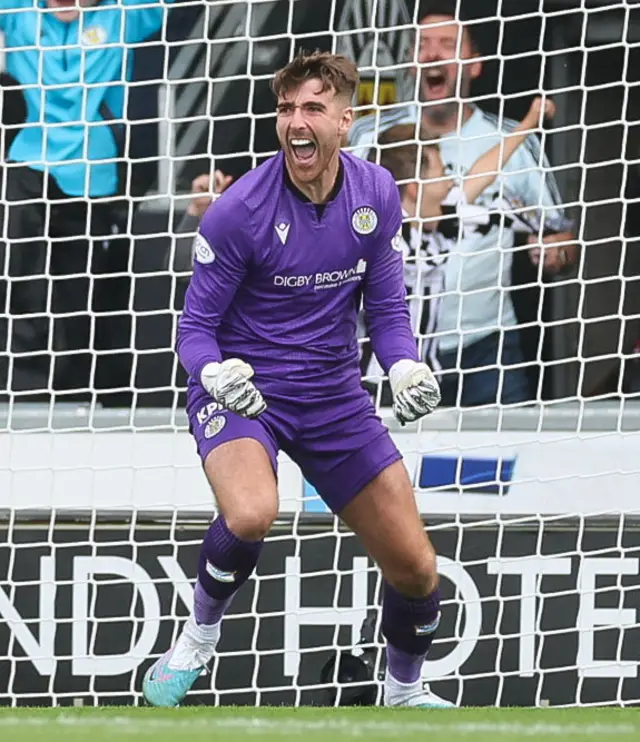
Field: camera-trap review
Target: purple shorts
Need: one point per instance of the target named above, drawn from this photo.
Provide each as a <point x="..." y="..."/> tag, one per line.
<point x="339" y="443"/>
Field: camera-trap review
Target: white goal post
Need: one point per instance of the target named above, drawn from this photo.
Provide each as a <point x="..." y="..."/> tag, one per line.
<point x="533" y="506"/>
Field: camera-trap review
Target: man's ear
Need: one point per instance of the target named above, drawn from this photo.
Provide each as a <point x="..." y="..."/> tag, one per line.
<point x="345" y="122"/>
<point x="475" y="69"/>
<point x="409" y="199"/>
<point x="411" y="190"/>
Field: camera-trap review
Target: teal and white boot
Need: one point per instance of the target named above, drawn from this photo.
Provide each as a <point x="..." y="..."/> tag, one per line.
<point x="412" y="695"/>
<point x="170" y="678"/>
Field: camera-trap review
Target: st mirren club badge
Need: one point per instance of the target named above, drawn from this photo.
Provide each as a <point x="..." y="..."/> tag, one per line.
<point x="214" y="426"/>
<point x="364" y="220"/>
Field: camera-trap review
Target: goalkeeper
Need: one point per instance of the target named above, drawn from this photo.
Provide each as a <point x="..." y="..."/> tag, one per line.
<point x="283" y="260"/>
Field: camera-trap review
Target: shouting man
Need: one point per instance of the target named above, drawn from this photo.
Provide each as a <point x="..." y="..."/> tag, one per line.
<point x="283" y="259"/>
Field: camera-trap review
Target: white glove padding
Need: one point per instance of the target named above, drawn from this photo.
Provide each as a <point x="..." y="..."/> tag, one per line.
<point x="416" y="392"/>
<point x="228" y="383"/>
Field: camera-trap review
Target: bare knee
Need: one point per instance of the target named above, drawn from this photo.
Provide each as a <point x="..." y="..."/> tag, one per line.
<point x="242" y="479"/>
<point x="252" y="521"/>
<point x="415" y="575"/>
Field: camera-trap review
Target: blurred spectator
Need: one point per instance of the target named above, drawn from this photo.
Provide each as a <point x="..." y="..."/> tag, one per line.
<point x="204" y="188"/>
<point x="478" y="343"/>
<point x="65" y="168"/>
<point x="429" y="199"/>
<point x="13" y="110"/>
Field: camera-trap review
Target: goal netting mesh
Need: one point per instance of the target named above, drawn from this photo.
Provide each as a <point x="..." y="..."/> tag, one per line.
<point x="532" y="506"/>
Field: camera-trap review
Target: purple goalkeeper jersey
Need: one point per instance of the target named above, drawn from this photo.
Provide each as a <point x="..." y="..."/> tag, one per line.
<point x="278" y="281"/>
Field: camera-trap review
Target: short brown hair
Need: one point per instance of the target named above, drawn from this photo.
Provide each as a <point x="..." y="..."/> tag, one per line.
<point x="335" y="71"/>
<point x="400" y="149"/>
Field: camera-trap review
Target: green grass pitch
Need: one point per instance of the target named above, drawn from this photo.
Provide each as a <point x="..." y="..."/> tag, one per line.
<point x="317" y="724"/>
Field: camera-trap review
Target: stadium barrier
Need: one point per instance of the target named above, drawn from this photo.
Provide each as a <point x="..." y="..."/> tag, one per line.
<point x="541" y="605"/>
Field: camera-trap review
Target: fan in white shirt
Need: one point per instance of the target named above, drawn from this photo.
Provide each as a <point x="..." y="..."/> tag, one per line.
<point x="478" y="337"/>
<point x="438" y="213"/>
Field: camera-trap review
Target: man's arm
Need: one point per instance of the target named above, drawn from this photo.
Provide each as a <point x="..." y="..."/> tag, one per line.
<point x="221" y="255"/>
<point x="144" y="21"/>
<point x="203" y="194"/>
<point x="540" y="191"/>
<point x="415" y="390"/>
<point x="487" y="167"/>
<point x="8" y="7"/>
<point x="384" y="293"/>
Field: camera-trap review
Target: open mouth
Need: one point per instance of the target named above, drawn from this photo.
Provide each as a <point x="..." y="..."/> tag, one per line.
<point x="303" y="149"/>
<point x="436" y="82"/>
<point x="63" y="5"/>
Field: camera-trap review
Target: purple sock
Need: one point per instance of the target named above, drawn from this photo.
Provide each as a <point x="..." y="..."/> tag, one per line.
<point x="208" y="610"/>
<point x="226" y="563"/>
<point x="409" y="625"/>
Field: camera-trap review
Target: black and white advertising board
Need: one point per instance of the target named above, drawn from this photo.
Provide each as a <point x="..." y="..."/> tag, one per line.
<point x="535" y="612"/>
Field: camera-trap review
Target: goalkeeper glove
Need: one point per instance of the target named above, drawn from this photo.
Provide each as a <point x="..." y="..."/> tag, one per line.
<point x="416" y="392"/>
<point x="228" y="383"/>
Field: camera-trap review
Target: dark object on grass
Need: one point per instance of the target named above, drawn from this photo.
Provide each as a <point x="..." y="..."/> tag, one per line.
<point x="354" y="669"/>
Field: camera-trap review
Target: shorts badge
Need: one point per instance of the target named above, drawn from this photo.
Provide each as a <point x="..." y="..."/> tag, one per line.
<point x="214" y="426"/>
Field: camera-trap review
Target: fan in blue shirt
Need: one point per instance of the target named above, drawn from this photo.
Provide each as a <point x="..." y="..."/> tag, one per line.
<point x="72" y="60"/>
<point x="72" y="65"/>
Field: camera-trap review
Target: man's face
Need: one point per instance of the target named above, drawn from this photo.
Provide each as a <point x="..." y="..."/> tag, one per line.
<point x="439" y="55"/>
<point x="68" y="10"/>
<point x="310" y="124"/>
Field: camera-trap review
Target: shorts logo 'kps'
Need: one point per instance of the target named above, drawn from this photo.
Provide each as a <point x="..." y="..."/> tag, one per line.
<point x="204" y="413"/>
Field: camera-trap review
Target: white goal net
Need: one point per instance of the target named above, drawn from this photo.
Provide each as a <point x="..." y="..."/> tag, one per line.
<point x="527" y="477"/>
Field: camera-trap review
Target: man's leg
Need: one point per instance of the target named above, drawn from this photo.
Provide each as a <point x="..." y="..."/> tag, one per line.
<point x="491" y="370"/>
<point x="70" y="291"/>
<point x="494" y="371"/>
<point x="90" y="306"/>
<point x="241" y="475"/>
<point x="515" y="386"/>
<point x="24" y="330"/>
<point x="385" y="517"/>
<point x="112" y="289"/>
<point x="239" y="458"/>
<point x="350" y="458"/>
<point x="449" y="379"/>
